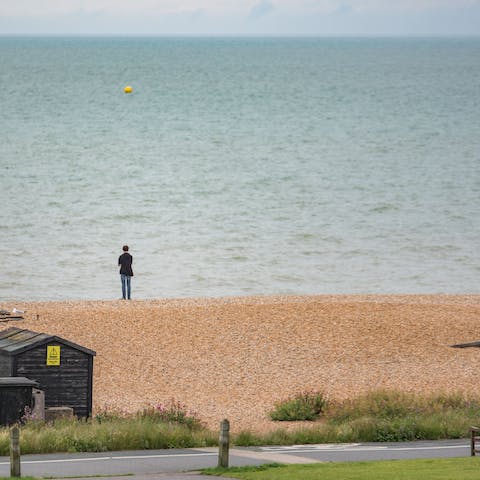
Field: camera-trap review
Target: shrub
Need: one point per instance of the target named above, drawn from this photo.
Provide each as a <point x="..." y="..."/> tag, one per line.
<point x="389" y="405"/>
<point x="304" y="406"/>
<point x="376" y="404"/>
<point x="172" y="412"/>
<point x="169" y="425"/>
<point x="246" y="438"/>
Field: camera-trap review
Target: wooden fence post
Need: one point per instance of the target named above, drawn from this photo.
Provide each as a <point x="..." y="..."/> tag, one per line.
<point x="473" y="438"/>
<point x="224" y="443"/>
<point x="15" y="452"/>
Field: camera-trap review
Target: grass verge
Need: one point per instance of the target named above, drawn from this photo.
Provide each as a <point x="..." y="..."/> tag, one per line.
<point x="19" y="478"/>
<point x="437" y="469"/>
<point x="156" y="427"/>
<point x="78" y="436"/>
<point x="377" y="416"/>
<point x="381" y="416"/>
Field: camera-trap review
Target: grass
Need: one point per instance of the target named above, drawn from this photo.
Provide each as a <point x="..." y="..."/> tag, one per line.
<point x="157" y="427"/>
<point x="438" y="469"/>
<point x="78" y="436"/>
<point x="374" y="417"/>
<point x="381" y="416"/>
<point x="304" y="406"/>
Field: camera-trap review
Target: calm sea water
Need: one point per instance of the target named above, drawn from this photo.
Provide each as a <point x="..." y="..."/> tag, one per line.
<point x="239" y="166"/>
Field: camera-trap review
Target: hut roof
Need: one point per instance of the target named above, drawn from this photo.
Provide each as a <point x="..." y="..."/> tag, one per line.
<point x="14" y="341"/>
<point x="17" y="382"/>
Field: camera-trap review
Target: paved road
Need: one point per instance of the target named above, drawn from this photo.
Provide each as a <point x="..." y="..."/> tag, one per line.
<point x="163" y="463"/>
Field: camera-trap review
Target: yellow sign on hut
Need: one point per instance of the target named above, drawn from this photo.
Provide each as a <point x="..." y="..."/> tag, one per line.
<point x="53" y="355"/>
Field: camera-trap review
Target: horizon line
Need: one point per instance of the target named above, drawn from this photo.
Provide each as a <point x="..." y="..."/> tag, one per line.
<point x="243" y="35"/>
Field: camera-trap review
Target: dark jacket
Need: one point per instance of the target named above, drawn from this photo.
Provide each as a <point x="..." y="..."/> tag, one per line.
<point x="125" y="263"/>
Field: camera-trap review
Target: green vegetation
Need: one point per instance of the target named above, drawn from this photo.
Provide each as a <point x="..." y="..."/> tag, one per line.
<point x="18" y="478"/>
<point x="377" y="416"/>
<point x="381" y="416"/>
<point x="438" y="469"/>
<point x="395" y="416"/>
<point x="170" y="412"/>
<point x="160" y="426"/>
<point x="217" y="471"/>
<point x="304" y="406"/>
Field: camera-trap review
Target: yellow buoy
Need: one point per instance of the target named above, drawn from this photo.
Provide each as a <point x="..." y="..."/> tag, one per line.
<point x="128" y="89"/>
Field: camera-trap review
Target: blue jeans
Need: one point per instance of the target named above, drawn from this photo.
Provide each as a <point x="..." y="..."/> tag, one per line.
<point x="126" y="288"/>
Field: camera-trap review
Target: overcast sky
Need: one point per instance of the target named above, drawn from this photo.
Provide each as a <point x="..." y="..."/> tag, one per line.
<point x="241" y="17"/>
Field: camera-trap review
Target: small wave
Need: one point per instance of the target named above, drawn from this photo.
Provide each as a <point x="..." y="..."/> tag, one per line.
<point x="385" y="207"/>
<point x="332" y="239"/>
<point x="353" y="253"/>
<point x="429" y="249"/>
<point x="312" y="253"/>
<point x="130" y="216"/>
<point x="16" y="226"/>
<point x="304" y="236"/>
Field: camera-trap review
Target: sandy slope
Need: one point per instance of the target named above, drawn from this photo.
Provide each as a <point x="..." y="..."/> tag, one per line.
<point x="234" y="357"/>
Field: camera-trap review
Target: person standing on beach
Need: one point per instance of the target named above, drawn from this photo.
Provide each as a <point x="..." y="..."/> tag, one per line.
<point x="126" y="272"/>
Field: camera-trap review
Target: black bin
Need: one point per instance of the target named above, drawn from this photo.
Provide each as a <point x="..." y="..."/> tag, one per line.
<point x="15" y="396"/>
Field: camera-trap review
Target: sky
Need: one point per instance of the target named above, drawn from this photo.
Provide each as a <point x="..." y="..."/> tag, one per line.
<point x="241" y="17"/>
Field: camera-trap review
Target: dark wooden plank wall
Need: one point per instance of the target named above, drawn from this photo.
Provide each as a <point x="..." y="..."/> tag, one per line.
<point x="5" y="365"/>
<point x="13" y="401"/>
<point x="67" y="385"/>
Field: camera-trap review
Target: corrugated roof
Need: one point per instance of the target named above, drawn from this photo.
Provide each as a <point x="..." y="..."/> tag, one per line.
<point x="15" y="340"/>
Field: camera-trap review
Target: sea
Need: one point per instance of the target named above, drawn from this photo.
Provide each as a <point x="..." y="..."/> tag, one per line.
<point x="238" y="166"/>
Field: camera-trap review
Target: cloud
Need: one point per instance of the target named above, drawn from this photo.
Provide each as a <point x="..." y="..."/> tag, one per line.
<point x="411" y="6"/>
<point x="254" y="8"/>
<point x="292" y="17"/>
<point x="262" y="8"/>
<point x="344" y="9"/>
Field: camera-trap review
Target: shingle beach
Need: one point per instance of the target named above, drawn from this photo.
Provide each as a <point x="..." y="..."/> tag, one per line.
<point x="235" y="357"/>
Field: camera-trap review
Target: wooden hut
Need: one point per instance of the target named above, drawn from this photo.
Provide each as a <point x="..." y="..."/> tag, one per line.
<point x="62" y="369"/>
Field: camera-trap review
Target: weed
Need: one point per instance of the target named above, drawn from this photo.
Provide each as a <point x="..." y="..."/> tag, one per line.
<point x="304" y="406"/>
<point x="376" y="416"/>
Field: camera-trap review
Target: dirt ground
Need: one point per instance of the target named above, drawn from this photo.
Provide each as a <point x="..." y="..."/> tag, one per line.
<point x="235" y="357"/>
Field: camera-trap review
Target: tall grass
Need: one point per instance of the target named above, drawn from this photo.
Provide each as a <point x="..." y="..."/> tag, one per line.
<point x="304" y="406"/>
<point x="376" y="416"/>
<point x="389" y="404"/>
<point x="78" y="436"/>
<point x="156" y="427"/>
<point x="396" y="416"/>
<point x="381" y="416"/>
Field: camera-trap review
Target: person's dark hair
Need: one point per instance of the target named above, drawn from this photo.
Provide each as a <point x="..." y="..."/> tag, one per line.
<point x="125" y="248"/>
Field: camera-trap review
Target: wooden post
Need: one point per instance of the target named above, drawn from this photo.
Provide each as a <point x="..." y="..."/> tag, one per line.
<point x="224" y="443"/>
<point x="15" y="452"/>
<point x="473" y="434"/>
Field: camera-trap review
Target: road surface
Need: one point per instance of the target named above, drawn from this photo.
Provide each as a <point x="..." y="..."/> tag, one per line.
<point x="148" y="462"/>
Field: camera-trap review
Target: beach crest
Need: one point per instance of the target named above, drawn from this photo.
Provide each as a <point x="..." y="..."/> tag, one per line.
<point x="234" y="357"/>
